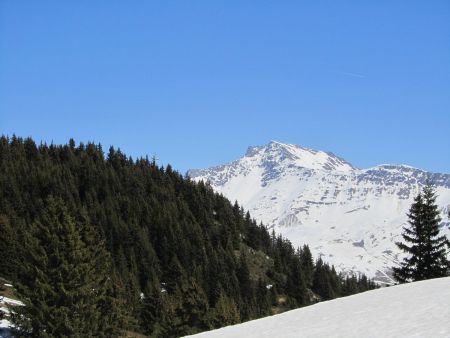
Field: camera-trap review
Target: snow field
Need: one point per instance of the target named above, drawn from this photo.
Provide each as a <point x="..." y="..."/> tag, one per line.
<point x="420" y="309"/>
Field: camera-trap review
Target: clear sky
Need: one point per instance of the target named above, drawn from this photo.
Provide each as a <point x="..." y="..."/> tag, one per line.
<point x="196" y="82"/>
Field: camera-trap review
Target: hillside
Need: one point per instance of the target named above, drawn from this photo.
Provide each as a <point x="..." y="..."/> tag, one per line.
<point x="350" y="217"/>
<point x="178" y="258"/>
<point x="420" y="309"/>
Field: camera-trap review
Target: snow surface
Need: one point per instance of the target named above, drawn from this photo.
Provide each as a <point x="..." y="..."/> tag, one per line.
<point x="10" y="301"/>
<point x="420" y="309"/>
<point x="5" y="332"/>
<point x="350" y="217"/>
<point x="5" y="325"/>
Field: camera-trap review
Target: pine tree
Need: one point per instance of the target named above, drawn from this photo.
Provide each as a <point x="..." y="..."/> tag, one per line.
<point x="63" y="282"/>
<point x="190" y="310"/>
<point x="225" y="312"/>
<point x="247" y="290"/>
<point x="322" y="284"/>
<point x="153" y="312"/>
<point x="427" y="257"/>
<point x="8" y="249"/>
<point x="307" y="265"/>
<point x="436" y="262"/>
<point x="263" y="299"/>
<point x="295" y="284"/>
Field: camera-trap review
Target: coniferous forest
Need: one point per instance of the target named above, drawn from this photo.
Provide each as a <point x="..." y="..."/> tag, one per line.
<point x="97" y="243"/>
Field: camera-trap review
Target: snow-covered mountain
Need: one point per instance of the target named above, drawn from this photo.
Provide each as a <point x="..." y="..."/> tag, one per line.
<point x="351" y="217"/>
<point x="420" y="309"/>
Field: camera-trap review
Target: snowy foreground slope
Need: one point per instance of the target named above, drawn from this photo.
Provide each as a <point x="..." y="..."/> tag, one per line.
<point x="351" y="217"/>
<point x="420" y="309"/>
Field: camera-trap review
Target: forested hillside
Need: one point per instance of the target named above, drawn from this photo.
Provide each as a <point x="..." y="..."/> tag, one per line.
<point x="182" y="259"/>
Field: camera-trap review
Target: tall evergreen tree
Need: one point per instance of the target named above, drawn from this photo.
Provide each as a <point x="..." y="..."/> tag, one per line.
<point x="295" y="284"/>
<point x="307" y="265"/>
<point x="225" y="312"/>
<point x="63" y="282"/>
<point x="322" y="284"/>
<point x="8" y="249"/>
<point x="427" y="254"/>
<point x="190" y="310"/>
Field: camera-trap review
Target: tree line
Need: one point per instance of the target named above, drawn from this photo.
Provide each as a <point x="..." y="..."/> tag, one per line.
<point x="97" y="243"/>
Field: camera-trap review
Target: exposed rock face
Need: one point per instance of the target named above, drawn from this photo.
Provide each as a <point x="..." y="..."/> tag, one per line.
<point x="351" y="217"/>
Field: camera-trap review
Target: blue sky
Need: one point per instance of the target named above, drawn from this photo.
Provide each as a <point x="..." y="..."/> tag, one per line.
<point x="196" y="82"/>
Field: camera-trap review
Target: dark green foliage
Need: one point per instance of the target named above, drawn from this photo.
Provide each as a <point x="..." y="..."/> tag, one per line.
<point x="247" y="305"/>
<point x="353" y="284"/>
<point x="323" y="281"/>
<point x="307" y="265"/>
<point x="263" y="299"/>
<point x="8" y="249"/>
<point x="183" y="259"/>
<point x="427" y="254"/>
<point x="191" y="308"/>
<point x="225" y="312"/>
<point x="154" y="316"/>
<point x="296" y="281"/>
<point x="64" y="280"/>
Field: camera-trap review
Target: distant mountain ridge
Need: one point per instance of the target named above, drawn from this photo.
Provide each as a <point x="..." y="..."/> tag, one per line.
<point x="349" y="216"/>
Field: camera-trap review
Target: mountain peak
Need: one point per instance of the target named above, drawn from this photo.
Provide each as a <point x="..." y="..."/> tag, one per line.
<point x="350" y="217"/>
<point x="300" y="157"/>
<point x="273" y="159"/>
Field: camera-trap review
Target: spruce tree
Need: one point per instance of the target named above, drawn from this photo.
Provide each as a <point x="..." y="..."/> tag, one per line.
<point x="295" y="284"/>
<point x="8" y="249"/>
<point x="324" y="281"/>
<point x="189" y="310"/>
<point x="63" y="282"/>
<point x="427" y="256"/>
<point x="307" y="265"/>
<point x="225" y="312"/>
<point x="153" y="312"/>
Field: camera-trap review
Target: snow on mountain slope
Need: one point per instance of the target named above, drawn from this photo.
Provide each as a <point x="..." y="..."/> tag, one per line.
<point x="350" y="217"/>
<point x="420" y="309"/>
